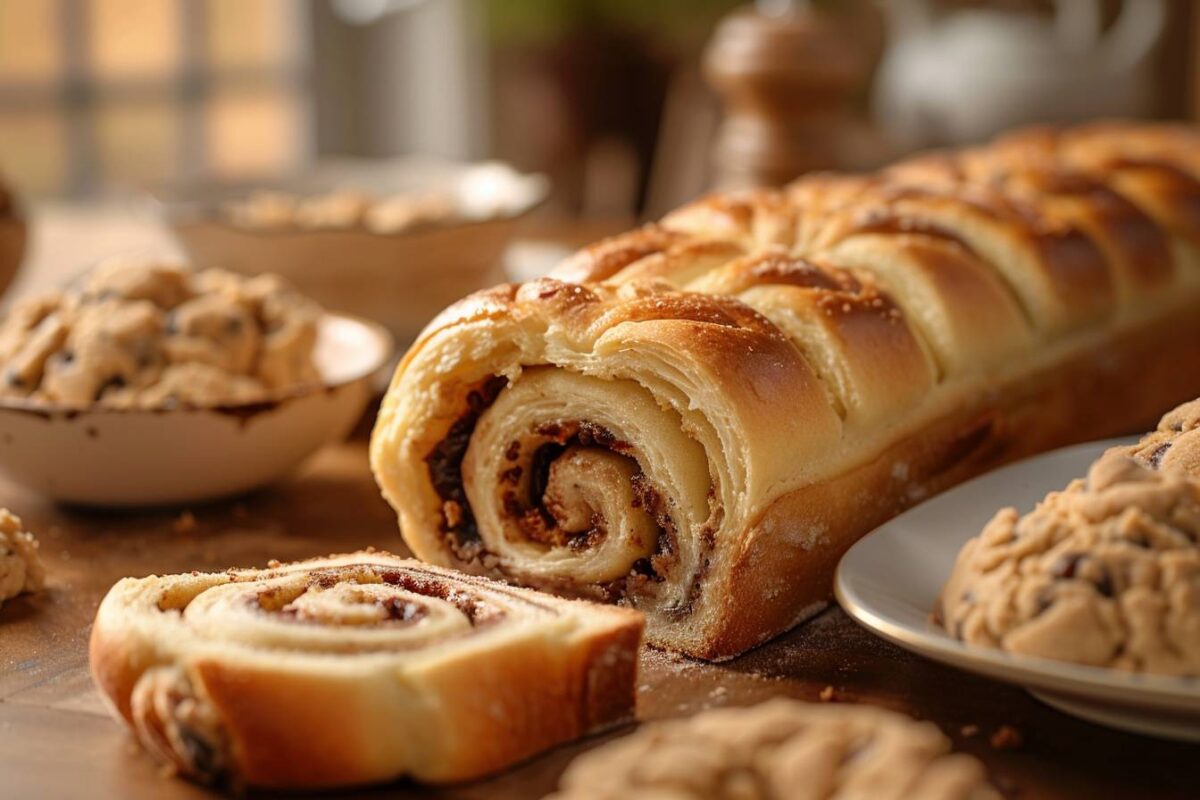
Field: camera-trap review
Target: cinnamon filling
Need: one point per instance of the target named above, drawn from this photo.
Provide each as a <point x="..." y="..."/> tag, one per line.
<point x="541" y="517"/>
<point x="395" y="611"/>
<point x="532" y="497"/>
<point x="445" y="470"/>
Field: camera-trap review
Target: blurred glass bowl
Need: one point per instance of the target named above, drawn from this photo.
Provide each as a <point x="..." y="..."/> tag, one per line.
<point x="399" y="273"/>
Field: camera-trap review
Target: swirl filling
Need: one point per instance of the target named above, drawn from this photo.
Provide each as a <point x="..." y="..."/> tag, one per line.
<point x="612" y="504"/>
<point x="346" y="609"/>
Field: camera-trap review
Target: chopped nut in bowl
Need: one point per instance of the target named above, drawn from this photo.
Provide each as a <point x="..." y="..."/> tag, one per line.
<point x="146" y="383"/>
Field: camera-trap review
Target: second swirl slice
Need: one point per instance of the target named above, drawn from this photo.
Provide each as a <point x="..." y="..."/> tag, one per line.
<point x="354" y="669"/>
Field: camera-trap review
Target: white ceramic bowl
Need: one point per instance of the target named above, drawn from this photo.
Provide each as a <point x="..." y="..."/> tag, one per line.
<point x="400" y="279"/>
<point x="113" y="457"/>
<point x="890" y="580"/>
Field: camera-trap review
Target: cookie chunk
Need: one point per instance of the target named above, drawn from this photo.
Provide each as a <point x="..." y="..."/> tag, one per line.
<point x="780" y="748"/>
<point x="341" y="209"/>
<point x="1105" y="573"/>
<point x="20" y="568"/>
<point x="1175" y="446"/>
<point x="148" y="335"/>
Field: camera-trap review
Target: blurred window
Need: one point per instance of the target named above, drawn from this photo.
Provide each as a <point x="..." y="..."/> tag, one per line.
<point x="96" y="93"/>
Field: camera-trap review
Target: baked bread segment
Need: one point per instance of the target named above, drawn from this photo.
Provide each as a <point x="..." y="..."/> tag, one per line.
<point x="844" y="324"/>
<point x="1156" y="167"/>
<point x="356" y="669"/>
<point x="697" y="418"/>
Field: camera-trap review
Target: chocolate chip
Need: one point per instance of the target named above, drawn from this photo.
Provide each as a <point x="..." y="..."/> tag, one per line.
<point x="115" y="382"/>
<point x="1156" y="457"/>
<point x="1045" y="599"/>
<point x="14" y="380"/>
<point x="1066" y="565"/>
<point x="201" y="756"/>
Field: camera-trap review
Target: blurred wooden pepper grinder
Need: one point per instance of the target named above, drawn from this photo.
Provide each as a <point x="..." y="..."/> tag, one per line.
<point x="792" y="76"/>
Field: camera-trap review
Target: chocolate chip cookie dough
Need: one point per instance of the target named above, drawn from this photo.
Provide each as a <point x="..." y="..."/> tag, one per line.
<point x="1105" y="573"/>
<point x="20" y="568"/>
<point x="1175" y="446"/>
<point x="780" y="749"/>
<point x="343" y="209"/>
<point x="150" y="335"/>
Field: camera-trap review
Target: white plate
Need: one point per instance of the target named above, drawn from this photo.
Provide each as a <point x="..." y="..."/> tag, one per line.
<point x="115" y="457"/>
<point x="890" y="580"/>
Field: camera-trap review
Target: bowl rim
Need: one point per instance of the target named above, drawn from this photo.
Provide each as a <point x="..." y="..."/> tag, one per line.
<point x="180" y="222"/>
<point x="382" y="335"/>
<point x="183" y="210"/>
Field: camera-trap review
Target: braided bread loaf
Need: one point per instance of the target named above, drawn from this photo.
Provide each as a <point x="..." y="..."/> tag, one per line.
<point x="355" y="669"/>
<point x="697" y="418"/>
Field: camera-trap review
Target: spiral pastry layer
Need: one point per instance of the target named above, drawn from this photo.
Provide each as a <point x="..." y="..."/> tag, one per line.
<point x="356" y="669"/>
<point x="697" y="418"/>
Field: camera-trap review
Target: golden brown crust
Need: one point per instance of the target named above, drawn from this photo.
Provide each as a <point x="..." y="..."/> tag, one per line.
<point x="1049" y="409"/>
<point x="356" y="669"/>
<point x="782" y="370"/>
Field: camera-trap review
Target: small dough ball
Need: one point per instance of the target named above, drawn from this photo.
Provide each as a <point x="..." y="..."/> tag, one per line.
<point x="112" y="345"/>
<point x="213" y="329"/>
<point x="1175" y="446"/>
<point x="336" y="210"/>
<point x="264" y="210"/>
<point x="164" y="285"/>
<point x="20" y="567"/>
<point x="194" y="384"/>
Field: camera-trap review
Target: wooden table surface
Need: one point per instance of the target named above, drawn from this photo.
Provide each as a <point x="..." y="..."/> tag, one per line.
<point x="57" y="741"/>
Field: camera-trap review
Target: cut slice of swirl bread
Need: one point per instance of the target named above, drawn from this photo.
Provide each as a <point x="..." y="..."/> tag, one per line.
<point x="356" y="669"/>
<point x="697" y="418"/>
